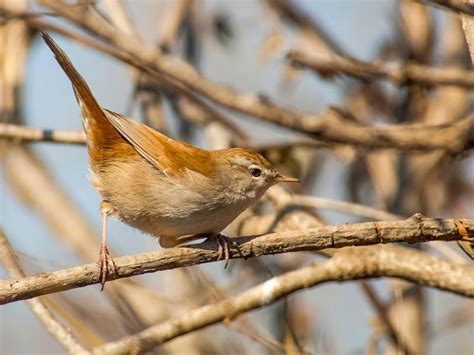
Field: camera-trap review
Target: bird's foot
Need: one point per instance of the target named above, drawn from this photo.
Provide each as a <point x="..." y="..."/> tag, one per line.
<point x="223" y="250"/>
<point x="104" y="260"/>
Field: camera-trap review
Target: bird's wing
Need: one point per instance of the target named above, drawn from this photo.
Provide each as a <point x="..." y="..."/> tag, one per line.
<point x="171" y="157"/>
<point x="141" y="137"/>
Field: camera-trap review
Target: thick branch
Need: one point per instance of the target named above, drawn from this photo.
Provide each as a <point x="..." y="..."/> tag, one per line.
<point x="345" y="265"/>
<point x="412" y="230"/>
<point x="399" y="73"/>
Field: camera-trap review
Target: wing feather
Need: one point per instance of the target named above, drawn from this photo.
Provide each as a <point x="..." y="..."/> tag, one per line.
<point x="169" y="156"/>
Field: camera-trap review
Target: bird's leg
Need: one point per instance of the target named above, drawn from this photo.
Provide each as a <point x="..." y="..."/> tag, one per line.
<point x="104" y="256"/>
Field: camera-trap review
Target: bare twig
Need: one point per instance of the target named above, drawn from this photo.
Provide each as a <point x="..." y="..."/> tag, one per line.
<point x="174" y="22"/>
<point x="398" y="73"/>
<point x="297" y="16"/>
<point x="368" y="262"/>
<point x="245" y="326"/>
<point x="468" y="27"/>
<point x="342" y="206"/>
<point x="28" y="134"/>
<point x="382" y="313"/>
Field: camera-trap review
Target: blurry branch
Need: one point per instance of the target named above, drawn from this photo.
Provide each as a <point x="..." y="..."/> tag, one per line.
<point x="412" y="230"/>
<point x="6" y="15"/>
<point x="245" y="326"/>
<point x="454" y="138"/>
<point x="468" y="27"/>
<point x="345" y="265"/>
<point x="28" y="134"/>
<point x="120" y="16"/>
<point x="293" y="14"/>
<point x="461" y="6"/>
<point x="150" y="101"/>
<point x="342" y="206"/>
<point x="382" y="313"/>
<point x="284" y="145"/>
<point x="455" y="319"/>
<point x="37" y="306"/>
<point x="399" y="73"/>
<point x="174" y="23"/>
<point x="331" y="127"/>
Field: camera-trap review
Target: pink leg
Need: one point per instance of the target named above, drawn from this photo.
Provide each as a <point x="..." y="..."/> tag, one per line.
<point x="104" y="256"/>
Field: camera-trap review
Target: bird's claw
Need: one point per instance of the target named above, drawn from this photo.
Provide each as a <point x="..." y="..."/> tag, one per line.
<point x="223" y="248"/>
<point x="103" y="262"/>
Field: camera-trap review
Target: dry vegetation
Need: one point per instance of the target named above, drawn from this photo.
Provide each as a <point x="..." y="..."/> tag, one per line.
<point x="406" y="148"/>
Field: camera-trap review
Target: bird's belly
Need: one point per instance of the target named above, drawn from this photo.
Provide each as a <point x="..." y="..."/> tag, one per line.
<point x="145" y="199"/>
<point x="199" y="222"/>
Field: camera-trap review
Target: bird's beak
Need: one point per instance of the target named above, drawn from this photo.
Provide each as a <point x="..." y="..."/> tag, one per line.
<point x="280" y="178"/>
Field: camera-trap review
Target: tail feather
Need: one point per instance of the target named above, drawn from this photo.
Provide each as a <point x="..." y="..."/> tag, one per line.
<point x="92" y="113"/>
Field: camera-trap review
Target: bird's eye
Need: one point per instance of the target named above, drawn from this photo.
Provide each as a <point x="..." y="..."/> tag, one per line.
<point x="255" y="172"/>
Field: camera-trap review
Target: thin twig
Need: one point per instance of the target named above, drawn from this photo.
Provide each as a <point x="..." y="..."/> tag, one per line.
<point x="29" y="134"/>
<point x="398" y="73"/>
<point x="342" y="206"/>
<point x="297" y="16"/>
<point x="174" y="22"/>
<point x="384" y="316"/>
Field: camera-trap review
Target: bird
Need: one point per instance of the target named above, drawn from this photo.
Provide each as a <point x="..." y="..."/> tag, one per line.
<point x="163" y="187"/>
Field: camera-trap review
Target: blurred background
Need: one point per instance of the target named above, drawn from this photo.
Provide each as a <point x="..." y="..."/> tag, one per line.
<point x="50" y="212"/>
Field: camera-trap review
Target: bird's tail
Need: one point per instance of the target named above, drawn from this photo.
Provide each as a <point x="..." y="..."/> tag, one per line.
<point x="91" y="112"/>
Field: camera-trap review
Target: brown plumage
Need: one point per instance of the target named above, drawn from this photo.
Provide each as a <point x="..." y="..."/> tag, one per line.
<point x="163" y="187"/>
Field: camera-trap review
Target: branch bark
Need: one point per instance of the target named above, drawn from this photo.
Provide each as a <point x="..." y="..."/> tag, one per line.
<point x="412" y="230"/>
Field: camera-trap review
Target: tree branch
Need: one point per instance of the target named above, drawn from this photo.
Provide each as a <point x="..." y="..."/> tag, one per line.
<point x="400" y="73"/>
<point x="391" y="261"/>
<point x="412" y="230"/>
<point x="29" y="134"/>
